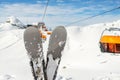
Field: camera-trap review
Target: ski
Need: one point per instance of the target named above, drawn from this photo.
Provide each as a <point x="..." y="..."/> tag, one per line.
<point x="33" y="45"/>
<point x="56" y="45"/>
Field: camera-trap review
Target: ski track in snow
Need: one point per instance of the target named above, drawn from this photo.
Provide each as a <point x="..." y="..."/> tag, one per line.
<point x="81" y="60"/>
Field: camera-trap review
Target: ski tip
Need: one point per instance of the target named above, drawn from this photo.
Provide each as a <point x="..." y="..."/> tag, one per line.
<point x="62" y="27"/>
<point x="57" y="41"/>
<point x="32" y="41"/>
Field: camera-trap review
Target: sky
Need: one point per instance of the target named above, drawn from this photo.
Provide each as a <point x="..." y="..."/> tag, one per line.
<point x="60" y="12"/>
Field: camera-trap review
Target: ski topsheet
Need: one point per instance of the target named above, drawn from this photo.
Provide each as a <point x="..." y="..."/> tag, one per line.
<point x="33" y="45"/>
<point x="56" y="45"/>
<point x="33" y="42"/>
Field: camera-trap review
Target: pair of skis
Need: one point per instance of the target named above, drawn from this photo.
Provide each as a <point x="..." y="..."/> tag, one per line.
<point x="33" y="43"/>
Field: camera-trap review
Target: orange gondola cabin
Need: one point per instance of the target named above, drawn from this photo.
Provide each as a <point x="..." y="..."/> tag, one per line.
<point x="110" y="40"/>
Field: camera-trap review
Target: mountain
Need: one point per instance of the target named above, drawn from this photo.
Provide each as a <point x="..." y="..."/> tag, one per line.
<point x="11" y="23"/>
<point x="81" y="60"/>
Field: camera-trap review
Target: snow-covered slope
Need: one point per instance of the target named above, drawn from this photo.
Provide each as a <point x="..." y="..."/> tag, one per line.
<point x="81" y="60"/>
<point x="13" y="58"/>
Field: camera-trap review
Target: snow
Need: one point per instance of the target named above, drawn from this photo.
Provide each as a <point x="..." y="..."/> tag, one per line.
<point x="6" y="26"/>
<point x="13" y="58"/>
<point x="82" y="57"/>
<point x="81" y="60"/>
<point x="61" y="43"/>
<point x="14" y="21"/>
<point x="11" y="23"/>
<point x="7" y="77"/>
<point x="50" y="69"/>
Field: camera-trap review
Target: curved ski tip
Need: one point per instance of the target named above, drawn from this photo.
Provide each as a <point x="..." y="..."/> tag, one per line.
<point x="60" y="27"/>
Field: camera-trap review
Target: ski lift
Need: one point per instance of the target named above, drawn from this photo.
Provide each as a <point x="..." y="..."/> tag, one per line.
<point x="110" y="40"/>
<point x="43" y="30"/>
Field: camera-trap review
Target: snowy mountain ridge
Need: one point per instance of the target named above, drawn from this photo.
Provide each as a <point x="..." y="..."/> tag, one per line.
<point x="81" y="60"/>
<point x="11" y="23"/>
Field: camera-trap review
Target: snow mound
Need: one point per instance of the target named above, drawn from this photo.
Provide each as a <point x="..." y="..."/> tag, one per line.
<point x="6" y="77"/>
<point x="110" y="76"/>
<point x="6" y="27"/>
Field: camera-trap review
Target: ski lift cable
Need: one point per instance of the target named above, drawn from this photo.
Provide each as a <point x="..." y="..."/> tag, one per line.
<point x="45" y="10"/>
<point x="10" y="45"/>
<point x="84" y="19"/>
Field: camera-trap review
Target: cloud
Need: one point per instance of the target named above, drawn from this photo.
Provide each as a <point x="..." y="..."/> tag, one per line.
<point x="36" y="10"/>
<point x="21" y="9"/>
<point x="56" y="15"/>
